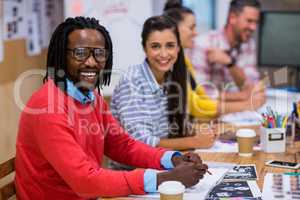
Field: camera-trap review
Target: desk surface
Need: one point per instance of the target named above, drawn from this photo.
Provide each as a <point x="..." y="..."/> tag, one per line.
<point x="259" y="159"/>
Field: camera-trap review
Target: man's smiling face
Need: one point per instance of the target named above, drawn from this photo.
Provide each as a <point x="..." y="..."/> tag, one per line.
<point x="84" y="47"/>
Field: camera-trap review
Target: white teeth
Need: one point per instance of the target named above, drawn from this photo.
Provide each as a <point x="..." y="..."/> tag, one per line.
<point x="88" y="73"/>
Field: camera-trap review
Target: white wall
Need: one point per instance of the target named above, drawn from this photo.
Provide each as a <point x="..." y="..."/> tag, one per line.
<point x="222" y="7"/>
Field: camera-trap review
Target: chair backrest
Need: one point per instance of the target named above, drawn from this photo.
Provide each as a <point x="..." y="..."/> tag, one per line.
<point x="7" y="168"/>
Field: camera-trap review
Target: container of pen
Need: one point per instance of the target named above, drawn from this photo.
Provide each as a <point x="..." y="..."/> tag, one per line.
<point x="273" y="136"/>
<point x="273" y="140"/>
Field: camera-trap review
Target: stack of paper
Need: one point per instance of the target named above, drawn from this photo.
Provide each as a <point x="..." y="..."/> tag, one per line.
<point x="241" y="173"/>
<point x="280" y="186"/>
<point x="224" y="147"/>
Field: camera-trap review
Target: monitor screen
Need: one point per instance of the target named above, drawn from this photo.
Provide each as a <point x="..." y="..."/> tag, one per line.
<point x="279" y="39"/>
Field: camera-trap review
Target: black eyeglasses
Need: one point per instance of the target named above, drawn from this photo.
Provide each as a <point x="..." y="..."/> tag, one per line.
<point x="83" y="53"/>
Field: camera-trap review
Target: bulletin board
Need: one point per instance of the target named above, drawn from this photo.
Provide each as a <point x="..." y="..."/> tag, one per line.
<point x="16" y="60"/>
<point x="26" y="27"/>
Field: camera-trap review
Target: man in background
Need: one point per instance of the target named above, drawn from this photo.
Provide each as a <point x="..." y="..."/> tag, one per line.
<point x="227" y="57"/>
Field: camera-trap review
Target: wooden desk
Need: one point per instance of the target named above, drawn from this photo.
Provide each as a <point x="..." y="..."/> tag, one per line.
<point x="259" y="159"/>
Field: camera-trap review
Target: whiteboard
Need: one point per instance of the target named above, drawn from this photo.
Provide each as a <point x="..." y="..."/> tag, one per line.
<point x="124" y="20"/>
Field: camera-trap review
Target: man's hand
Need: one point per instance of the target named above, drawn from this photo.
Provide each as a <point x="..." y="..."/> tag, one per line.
<point x="218" y="56"/>
<point x="250" y="89"/>
<point x="257" y="100"/>
<point x="187" y="173"/>
<point x="188" y="157"/>
<point x="257" y="96"/>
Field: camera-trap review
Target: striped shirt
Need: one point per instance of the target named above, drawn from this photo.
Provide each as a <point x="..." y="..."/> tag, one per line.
<point x="140" y="104"/>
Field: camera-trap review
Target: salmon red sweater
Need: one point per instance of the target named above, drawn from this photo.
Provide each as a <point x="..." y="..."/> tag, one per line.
<point x="60" y="148"/>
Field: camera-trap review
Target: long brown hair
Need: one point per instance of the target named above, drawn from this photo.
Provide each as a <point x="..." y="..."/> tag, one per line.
<point x="176" y="104"/>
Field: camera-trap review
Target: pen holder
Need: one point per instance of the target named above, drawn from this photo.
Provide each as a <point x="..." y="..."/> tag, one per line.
<point x="273" y="140"/>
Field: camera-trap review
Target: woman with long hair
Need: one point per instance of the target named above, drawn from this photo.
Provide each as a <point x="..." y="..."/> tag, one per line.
<point x="151" y="98"/>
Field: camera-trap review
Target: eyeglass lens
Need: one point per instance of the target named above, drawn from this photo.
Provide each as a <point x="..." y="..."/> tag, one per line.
<point x="82" y="53"/>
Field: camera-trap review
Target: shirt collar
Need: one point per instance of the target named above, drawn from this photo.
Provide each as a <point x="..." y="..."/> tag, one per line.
<point x="227" y="44"/>
<point x="74" y="92"/>
<point x="150" y="77"/>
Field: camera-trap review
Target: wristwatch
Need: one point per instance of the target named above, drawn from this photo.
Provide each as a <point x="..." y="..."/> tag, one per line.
<point x="232" y="63"/>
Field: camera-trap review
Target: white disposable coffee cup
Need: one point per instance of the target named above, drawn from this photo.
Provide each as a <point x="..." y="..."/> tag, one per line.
<point x="171" y="190"/>
<point x="246" y="139"/>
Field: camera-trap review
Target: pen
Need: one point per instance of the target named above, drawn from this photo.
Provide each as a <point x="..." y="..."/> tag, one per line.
<point x="209" y="172"/>
<point x="298" y="107"/>
<point x="295" y="109"/>
<point x="284" y="122"/>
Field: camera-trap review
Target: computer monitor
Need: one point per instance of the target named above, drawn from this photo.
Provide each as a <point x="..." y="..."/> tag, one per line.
<point x="279" y="39"/>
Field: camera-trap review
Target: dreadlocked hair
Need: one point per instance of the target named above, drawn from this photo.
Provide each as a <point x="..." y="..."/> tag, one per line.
<point x="57" y="51"/>
<point x="176" y="82"/>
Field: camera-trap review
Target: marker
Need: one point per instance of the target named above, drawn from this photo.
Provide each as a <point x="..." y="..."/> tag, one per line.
<point x="284" y="122"/>
<point x="292" y="173"/>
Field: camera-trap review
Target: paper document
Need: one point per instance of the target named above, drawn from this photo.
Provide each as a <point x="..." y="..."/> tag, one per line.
<point x="224" y="147"/>
<point x="241" y="173"/>
<point x="280" y="186"/>
<point x="199" y="191"/>
<point x="243" y="118"/>
<point x="237" y="190"/>
<point x="13" y="19"/>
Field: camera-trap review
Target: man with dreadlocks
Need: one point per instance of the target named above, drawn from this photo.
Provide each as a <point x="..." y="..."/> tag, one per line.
<point x="66" y="128"/>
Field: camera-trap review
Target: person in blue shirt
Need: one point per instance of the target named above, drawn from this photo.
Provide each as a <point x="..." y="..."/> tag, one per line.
<point x="150" y="99"/>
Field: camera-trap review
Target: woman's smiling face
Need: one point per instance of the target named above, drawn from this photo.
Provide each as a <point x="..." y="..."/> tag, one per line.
<point x="161" y="50"/>
<point x="187" y="30"/>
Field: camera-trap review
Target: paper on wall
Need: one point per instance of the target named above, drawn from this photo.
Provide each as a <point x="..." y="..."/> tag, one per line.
<point x="32" y="42"/>
<point x="50" y="15"/>
<point x="33" y="29"/>
<point x="14" y="19"/>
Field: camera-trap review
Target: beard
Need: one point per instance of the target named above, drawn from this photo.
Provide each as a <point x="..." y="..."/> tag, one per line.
<point x="83" y="84"/>
<point x="242" y="36"/>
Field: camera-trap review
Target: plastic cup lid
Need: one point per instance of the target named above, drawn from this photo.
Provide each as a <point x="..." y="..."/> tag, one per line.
<point x="171" y="187"/>
<point x="245" y="132"/>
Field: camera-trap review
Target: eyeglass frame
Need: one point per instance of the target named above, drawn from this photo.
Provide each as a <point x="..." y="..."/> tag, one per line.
<point x="91" y="49"/>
